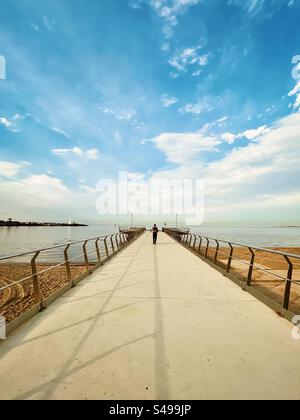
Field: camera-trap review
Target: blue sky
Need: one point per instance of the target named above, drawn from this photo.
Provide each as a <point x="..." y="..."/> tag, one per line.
<point x="173" y="88"/>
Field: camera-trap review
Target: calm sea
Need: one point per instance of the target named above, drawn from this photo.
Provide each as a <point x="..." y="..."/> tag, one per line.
<point x="15" y="240"/>
<point x="263" y="237"/>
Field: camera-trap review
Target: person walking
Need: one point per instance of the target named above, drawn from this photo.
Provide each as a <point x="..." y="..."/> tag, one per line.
<point x="155" y="233"/>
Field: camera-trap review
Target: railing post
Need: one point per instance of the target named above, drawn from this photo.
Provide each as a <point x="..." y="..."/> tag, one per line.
<point x="195" y="240"/>
<point x="230" y="258"/>
<point x="200" y="244"/>
<point x="112" y="243"/>
<point x="287" y="294"/>
<point x="120" y="241"/>
<point x="249" y="278"/>
<point x="86" y="260"/>
<point x="117" y="242"/>
<point x="106" y="247"/>
<point x="217" y="251"/>
<point x="207" y="248"/>
<point x="190" y="243"/>
<point x="189" y="240"/>
<point x="35" y="280"/>
<point x="67" y="264"/>
<point x="97" y="250"/>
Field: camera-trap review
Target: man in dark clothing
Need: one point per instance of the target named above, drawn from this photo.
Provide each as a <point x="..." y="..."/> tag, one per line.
<point x="155" y="232"/>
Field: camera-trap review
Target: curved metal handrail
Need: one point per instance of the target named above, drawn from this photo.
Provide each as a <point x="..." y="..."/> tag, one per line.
<point x="116" y="246"/>
<point x="186" y="240"/>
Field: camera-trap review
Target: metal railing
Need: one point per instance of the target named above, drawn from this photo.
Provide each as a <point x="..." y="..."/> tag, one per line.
<point x="214" y="250"/>
<point x="130" y="228"/>
<point x="64" y="264"/>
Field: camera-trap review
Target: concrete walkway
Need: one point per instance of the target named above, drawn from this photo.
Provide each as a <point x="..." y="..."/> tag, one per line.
<point x="154" y="323"/>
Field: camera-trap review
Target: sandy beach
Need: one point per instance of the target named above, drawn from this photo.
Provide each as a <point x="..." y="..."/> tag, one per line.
<point x="16" y="300"/>
<point x="269" y="274"/>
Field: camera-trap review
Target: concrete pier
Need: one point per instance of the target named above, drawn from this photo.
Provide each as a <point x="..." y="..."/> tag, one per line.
<point x="154" y="323"/>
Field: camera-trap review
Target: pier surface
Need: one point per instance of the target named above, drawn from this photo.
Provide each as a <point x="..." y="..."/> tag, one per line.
<point x="155" y="322"/>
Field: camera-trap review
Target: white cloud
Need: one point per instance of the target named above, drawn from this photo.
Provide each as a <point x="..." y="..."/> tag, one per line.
<point x="87" y="189"/>
<point x="168" y="100"/>
<point x="4" y="121"/>
<point x="185" y="58"/>
<point x="296" y="92"/>
<point x="168" y="11"/>
<point x="181" y="147"/>
<point x="92" y="154"/>
<point x="228" y="138"/>
<point x="11" y="124"/>
<point x="42" y="196"/>
<point x="251" y="135"/>
<point x="196" y="109"/>
<point x="255" y="5"/>
<point x="125" y="114"/>
<point x="254" y="134"/>
<point x="44" y="181"/>
<point x="10" y="169"/>
<point x="260" y="176"/>
<point x="197" y="73"/>
<point x="62" y="132"/>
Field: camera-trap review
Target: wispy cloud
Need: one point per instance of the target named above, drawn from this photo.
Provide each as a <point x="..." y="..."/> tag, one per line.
<point x="168" y="100"/>
<point x="123" y="114"/>
<point x="11" y="124"/>
<point x="197" y="108"/>
<point x="167" y="10"/>
<point x="48" y="24"/>
<point x="92" y="154"/>
<point x="189" y="57"/>
<point x="35" y="27"/>
<point x="296" y="92"/>
<point x="62" y="132"/>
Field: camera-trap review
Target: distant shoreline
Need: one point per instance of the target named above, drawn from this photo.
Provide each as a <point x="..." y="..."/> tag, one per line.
<point x="34" y="224"/>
